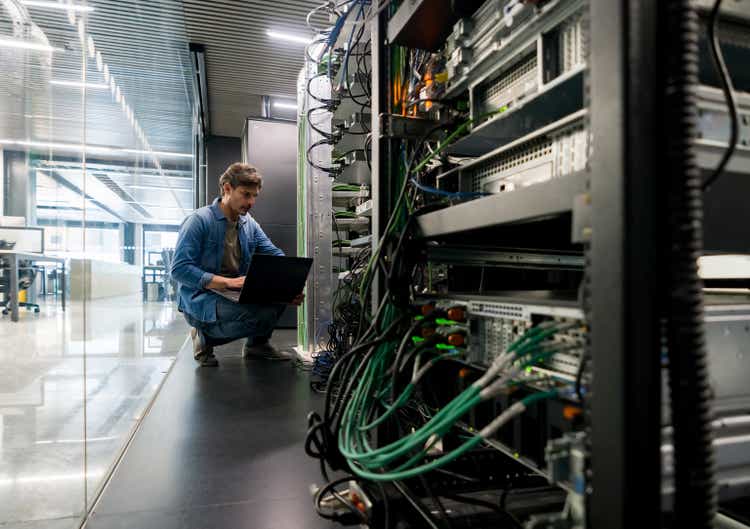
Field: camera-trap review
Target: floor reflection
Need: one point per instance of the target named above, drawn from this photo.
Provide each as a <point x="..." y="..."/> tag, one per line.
<point x="129" y="346"/>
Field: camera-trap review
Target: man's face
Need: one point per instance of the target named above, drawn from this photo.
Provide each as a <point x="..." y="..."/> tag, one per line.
<point x="241" y="198"/>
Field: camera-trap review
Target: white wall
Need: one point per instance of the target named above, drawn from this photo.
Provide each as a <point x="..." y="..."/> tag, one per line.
<point x="103" y="279"/>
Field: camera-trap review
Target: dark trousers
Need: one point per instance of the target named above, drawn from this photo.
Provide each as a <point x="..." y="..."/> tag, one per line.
<point x="234" y="321"/>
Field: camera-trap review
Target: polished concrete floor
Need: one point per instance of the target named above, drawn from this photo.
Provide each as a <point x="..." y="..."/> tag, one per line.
<point x="48" y="474"/>
<point x="221" y="447"/>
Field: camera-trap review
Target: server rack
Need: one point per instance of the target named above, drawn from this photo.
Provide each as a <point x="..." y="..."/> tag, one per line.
<point x="607" y="216"/>
<point x="616" y="201"/>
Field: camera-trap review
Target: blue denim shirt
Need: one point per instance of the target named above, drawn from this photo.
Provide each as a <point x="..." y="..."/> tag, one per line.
<point x="199" y="251"/>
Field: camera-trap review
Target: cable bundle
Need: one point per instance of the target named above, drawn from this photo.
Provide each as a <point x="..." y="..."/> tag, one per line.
<point x="404" y="458"/>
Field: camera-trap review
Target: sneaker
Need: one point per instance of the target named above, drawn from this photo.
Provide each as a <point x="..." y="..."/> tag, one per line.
<point x="264" y="351"/>
<point x="201" y="352"/>
<point x="207" y="360"/>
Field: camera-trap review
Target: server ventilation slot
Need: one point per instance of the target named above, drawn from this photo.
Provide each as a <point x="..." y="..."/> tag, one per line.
<point x="536" y="161"/>
<point x="572" y="48"/>
<point x="512" y="85"/>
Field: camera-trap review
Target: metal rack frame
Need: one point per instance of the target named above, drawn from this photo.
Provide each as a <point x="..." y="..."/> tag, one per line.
<point x="626" y="386"/>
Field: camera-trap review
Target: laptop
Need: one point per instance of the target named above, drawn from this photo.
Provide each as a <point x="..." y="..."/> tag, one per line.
<point x="271" y="279"/>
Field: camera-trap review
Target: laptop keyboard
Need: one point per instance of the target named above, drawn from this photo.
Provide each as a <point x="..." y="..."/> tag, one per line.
<point x="231" y="295"/>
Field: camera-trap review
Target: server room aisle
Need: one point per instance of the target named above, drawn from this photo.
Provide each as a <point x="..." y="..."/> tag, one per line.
<point x="220" y="448"/>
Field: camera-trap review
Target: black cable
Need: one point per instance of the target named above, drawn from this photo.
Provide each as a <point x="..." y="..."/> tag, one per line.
<point x="319" y="434"/>
<point x="346" y="83"/>
<point x="330" y="487"/>
<point x="343" y="155"/>
<point x="486" y="504"/>
<point x="414" y="501"/>
<point x="437" y="501"/>
<point x="395" y="212"/>
<point x="727" y="88"/>
<point x="327" y="135"/>
<point x="373" y="343"/>
<point x="329" y="170"/>
<point x="354" y="379"/>
<point x="386" y="506"/>
<point x="327" y="102"/>
<point x="400" y="351"/>
<point x="368" y="151"/>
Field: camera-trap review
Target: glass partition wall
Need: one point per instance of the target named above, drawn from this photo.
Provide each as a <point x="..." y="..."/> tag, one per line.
<point x="96" y="141"/>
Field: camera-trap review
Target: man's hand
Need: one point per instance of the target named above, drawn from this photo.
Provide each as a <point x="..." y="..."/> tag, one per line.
<point x="234" y="283"/>
<point x="226" y="283"/>
<point x="298" y="299"/>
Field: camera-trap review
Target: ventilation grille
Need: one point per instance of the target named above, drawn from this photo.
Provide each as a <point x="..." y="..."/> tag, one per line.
<point x="533" y="154"/>
<point x="572" y="48"/>
<point x="514" y="83"/>
<point x="124" y="195"/>
<point x="497" y="310"/>
<point x="536" y="161"/>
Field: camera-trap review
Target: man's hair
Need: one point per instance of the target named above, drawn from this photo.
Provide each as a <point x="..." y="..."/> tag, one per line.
<point x="240" y="174"/>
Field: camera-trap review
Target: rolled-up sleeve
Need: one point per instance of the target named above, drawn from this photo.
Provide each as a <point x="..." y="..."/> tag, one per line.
<point x="187" y="256"/>
<point x="263" y="244"/>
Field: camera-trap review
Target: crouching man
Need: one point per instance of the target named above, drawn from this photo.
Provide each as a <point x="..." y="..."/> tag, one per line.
<point x="214" y="249"/>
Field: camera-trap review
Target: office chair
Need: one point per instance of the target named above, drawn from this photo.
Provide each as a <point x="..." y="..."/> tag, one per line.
<point x="26" y="277"/>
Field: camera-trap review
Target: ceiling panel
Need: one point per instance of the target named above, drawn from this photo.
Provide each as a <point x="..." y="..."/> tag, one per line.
<point x="144" y="44"/>
<point x="243" y="63"/>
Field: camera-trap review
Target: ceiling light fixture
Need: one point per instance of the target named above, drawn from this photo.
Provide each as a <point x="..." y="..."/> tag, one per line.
<point x="79" y="84"/>
<point x="89" y="148"/>
<point x="56" y="5"/>
<point x="162" y="188"/>
<point x="282" y="104"/>
<point x="26" y="45"/>
<point x="159" y="153"/>
<point x="288" y="37"/>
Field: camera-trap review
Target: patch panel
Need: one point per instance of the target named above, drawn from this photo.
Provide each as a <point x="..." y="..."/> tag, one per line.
<point x="494" y="324"/>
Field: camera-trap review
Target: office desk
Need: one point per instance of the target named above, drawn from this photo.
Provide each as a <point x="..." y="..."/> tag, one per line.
<point x="13" y="258"/>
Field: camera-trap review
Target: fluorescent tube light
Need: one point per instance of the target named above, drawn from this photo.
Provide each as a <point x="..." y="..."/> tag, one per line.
<point x="282" y="104"/>
<point x="57" y="5"/>
<point x="26" y="45"/>
<point x="90" y="148"/>
<point x="159" y="153"/>
<point x="288" y="37"/>
<point x="79" y="84"/>
<point x="163" y="188"/>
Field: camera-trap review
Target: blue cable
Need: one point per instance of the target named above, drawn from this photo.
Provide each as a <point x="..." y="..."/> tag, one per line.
<point x="440" y="192"/>
<point x="345" y="71"/>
